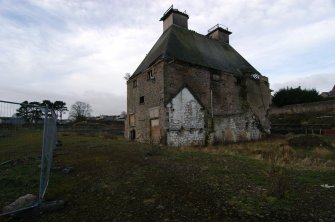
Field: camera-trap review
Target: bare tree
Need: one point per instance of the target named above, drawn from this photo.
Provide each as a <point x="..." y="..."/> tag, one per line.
<point x="127" y="76"/>
<point x="80" y="111"/>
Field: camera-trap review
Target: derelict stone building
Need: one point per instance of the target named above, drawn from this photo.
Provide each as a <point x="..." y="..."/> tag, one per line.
<point x="194" y="89"/>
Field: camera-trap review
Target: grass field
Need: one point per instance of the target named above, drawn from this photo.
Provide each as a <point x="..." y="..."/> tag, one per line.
<point x="116" y="180"/>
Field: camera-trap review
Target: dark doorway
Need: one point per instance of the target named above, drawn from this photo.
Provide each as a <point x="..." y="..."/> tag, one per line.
<point x="132" y="135"/>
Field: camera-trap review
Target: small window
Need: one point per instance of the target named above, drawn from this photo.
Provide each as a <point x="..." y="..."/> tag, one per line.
<point x="134" y="83"/>
<point x="216" y="77"/>
<point x="238" y="82"/>
<point x="141" y="99"/>
<point x="150" y="75"/>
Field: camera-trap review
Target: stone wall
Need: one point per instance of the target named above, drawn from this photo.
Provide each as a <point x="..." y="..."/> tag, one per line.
<point x="236" y="106"/>
<point x="305" y="107"/>
<point x="152" y="91"/>
<point x="225" y="90"/>
<point x="226" y="94"/>
<point x="178" y="75"/>
<point x="235" y="128"/>
<point x="259" y="99"/>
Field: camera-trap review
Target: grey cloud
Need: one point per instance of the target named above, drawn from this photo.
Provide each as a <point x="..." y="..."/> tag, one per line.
<point x="80" y="50"/>
<point x="320" y="82"/>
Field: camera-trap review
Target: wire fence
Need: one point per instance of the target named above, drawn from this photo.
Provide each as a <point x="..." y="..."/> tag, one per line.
<point x="27" y="140"/>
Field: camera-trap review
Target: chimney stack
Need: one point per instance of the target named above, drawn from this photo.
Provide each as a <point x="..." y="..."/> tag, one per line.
<point x="174" y="17"/>
<point x="220" y="33"/>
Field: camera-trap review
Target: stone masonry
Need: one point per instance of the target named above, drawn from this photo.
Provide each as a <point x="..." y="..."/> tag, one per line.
<point x="193" y="89"/>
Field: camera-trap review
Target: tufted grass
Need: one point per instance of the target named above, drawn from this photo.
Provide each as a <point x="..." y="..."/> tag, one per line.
<point x="116" y="180"/>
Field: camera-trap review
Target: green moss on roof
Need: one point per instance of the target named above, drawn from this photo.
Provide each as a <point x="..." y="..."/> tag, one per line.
<point x="188" y="46"/>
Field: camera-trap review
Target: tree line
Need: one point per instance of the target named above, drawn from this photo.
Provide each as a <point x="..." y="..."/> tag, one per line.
<point x="32" y="112"/>
<point x="289" y="96"/>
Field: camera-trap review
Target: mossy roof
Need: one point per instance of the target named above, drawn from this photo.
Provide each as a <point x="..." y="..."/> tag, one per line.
<point x="188" y="46"/>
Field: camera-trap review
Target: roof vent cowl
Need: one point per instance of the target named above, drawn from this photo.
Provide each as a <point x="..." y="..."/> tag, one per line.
<point x="174" y="17"/>
<point x="220" y="33"/>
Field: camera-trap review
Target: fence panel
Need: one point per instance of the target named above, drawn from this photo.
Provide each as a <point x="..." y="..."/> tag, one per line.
<point x="49" y="142"/>
<point x="27" y="139"/>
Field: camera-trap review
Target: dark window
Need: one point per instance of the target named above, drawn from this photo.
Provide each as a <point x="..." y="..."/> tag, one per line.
<point x="134" y="83"/>
<point x="216" y="77"/>
<point x="238" y="81"/>
<point x="141" y="99"/>
<point x="150" y="75"/>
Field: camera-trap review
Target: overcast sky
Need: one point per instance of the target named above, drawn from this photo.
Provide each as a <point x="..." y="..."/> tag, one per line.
<point x="80" y="50"/>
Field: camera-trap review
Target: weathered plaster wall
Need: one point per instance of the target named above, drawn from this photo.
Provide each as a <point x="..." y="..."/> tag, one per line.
<point x="234" y="128"/>
<point x="186" y="120"/>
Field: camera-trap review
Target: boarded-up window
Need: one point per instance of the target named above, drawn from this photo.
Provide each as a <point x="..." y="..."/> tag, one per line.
<point x="131" y="120"/>
<point x="154" y="131"/>
<point x="154" y="122"/>
<point x="154" y="112"/>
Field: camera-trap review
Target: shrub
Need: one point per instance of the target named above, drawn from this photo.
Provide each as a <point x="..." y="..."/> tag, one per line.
<point x="291" y="95"/>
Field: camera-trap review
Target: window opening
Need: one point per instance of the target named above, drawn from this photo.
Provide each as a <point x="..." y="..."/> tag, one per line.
<point x="141" y="99"/>
<point x="150" y="75"/>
